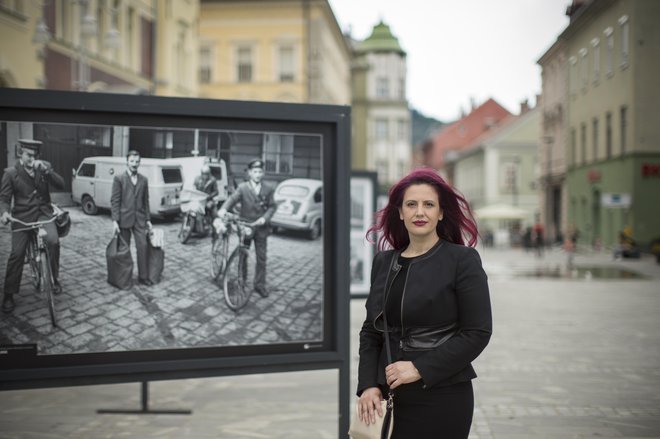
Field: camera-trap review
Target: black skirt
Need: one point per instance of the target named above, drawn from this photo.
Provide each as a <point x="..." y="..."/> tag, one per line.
<point x="435" y="413"/>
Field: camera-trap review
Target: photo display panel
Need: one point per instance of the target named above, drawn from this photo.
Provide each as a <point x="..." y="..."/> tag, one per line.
<point x="229" y="286"/>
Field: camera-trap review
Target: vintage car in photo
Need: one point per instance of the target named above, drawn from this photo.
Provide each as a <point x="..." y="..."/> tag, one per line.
<point x="300" y="206"/>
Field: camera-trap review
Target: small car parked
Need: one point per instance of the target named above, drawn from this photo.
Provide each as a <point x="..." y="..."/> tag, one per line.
<point x="300" y="206"/>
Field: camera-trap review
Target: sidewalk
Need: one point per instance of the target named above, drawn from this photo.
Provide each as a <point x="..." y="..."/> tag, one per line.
<point x="569" y="358"/>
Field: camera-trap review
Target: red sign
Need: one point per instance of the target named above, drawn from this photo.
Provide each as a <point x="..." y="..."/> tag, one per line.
<point x="650" y="170"/>
<point x="593" y="175"/>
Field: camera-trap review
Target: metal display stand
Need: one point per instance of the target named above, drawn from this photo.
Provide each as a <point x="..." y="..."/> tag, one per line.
<point x="144" y="410"/>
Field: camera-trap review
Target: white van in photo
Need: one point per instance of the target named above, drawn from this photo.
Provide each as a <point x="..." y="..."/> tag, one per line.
<point x="92" y="184"/>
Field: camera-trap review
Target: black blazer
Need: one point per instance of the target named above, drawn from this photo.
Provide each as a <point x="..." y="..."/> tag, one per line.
<point x="31" y="195"/>
<point x="130" y="203"/>
<point x="445" y="286"/>
<point x="253" y="206"/>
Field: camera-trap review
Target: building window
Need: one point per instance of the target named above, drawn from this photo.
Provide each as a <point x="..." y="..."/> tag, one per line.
<point x="510" y="180"/>
<point x="584" y="71"/>
<point x="402" y="89"/>
<point x="609" y="52"/>
<point x="608" y="134"/>
<point x="583" y="143"/>
<point x="180" y="55"/>
<point x="624" y="128"/>
<point x="244" y="64"/>
<point x="381" y="168"/>
<point x="205" y="65"/>
<point x="287" y="64"/>
<point x="595" y="43"/>
<point x="625" y="40"/>
<point x="402" y="132"/>
<point x="573" y="147"/>
<point x="278" y="153"/>
<point x="594" y="133"/>
<point x="573" y="74"/>
<point x="130" y="37"/>
<point x="382" y="129"/>
<point x="382" y="87"/>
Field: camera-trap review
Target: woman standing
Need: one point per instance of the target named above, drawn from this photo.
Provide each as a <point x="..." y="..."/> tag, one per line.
<point x="433" y="292"/>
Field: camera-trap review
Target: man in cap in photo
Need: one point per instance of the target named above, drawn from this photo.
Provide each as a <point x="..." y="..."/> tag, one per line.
<point x="257" y="205"/>
<point x="28" y="184"/>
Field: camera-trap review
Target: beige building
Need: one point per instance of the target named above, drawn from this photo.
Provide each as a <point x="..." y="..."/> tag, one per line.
<point x="553" y="140"/>
<point x="613" y="153"/>
<point x="21" y="59"/>
<point x="273" y="50"/>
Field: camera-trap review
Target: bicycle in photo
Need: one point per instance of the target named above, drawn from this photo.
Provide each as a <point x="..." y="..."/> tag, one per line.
<point x="38" y="258"/>
<point x="236" y="270"/>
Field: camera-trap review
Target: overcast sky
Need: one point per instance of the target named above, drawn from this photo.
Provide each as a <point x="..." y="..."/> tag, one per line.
<point x="462" y="49"/>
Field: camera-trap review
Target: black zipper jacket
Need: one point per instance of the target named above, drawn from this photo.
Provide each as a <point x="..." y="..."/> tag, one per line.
<point x="445" y="288"/>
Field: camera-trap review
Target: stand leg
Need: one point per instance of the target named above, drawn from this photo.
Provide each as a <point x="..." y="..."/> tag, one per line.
<point x="144" y="396"/>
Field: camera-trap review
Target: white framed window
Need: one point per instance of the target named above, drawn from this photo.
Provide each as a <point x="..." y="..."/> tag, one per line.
<point x="609" y="51"/>
<point x="244" y="63"/>
<point x="287" y="64"/>
<point x="583" y="69"/>
<point x="573" y="79"/>
<point x="595" y="52"/>
<point x="205" y="65"/>
<point x="402" y="89"/>
<point x="381" y="168"/>
<point x="278" y="153"/>
<point x="625" y="41"/>
<point x="402" y="131"/>
<point x="510" y="177"/>
<point x="382" y="87"/>
<point x="594" y="138"/>
<point x="381" y="129"/>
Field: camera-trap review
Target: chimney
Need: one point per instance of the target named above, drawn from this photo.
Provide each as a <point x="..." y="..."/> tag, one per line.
<point x="524" y="107"/>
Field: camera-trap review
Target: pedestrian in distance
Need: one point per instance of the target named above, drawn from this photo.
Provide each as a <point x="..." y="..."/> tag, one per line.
<point x="28" y="184"/>
<point x="130" y="211"/>
<point x="257" y="205"/>
<point x="431" y="292"/>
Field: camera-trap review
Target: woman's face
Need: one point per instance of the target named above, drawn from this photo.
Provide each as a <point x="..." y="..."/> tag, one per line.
<point x="421" y="210"/>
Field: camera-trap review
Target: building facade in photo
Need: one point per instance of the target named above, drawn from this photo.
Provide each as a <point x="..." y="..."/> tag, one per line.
<point x="613" y="151"/>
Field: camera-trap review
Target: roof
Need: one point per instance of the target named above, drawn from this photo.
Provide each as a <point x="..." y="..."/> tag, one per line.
<point x="381" y="40"/>
<point x="466" y="130"/>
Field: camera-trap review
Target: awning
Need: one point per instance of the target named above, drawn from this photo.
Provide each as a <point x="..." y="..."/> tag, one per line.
<point x="501" y="211"/>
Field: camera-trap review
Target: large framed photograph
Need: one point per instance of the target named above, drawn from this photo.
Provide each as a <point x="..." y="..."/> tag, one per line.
<point x="202" y="236"/>
<point x="364" y="186"/>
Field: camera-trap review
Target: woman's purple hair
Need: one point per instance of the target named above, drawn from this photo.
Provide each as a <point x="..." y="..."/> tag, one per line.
<point x="457" y="225"/>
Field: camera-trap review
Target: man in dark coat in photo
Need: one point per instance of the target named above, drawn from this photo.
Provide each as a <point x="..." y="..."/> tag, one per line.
<point x="28" y="183"/>
<point x="257" y="205"/>
<point x="130" y="211"/>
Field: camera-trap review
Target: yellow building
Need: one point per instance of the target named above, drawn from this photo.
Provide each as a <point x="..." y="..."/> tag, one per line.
<point x="128" y="46"/>
<point x="273" y="50"/>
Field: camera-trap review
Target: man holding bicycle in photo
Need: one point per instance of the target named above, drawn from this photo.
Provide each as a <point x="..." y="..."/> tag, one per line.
<point x="258" y="206"/>
<point x="28" y="183"/>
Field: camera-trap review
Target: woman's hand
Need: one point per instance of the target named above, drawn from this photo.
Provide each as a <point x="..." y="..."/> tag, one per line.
<point x="401" y="372"/>
<point x="368" y="401"/>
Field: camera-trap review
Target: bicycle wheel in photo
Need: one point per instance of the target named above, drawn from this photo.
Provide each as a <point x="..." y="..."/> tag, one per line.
<point x="31" y="256"/>
<point x="47" y="284"/>
<point x="185" y="232"/>
<point x="219" y="254"/>
<point x="239" y="278"/>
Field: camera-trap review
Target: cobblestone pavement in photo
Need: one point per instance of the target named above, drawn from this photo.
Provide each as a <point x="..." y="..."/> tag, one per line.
<point x="186" y="309"/>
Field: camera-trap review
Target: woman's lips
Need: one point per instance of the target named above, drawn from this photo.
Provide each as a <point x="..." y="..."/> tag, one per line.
<point x="419" y="223"/>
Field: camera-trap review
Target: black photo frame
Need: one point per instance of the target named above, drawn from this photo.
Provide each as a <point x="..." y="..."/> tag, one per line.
<point x="21" y="365"/>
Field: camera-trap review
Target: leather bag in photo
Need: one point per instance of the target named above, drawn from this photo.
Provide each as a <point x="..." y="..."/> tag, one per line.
<point x="382" y="429"/>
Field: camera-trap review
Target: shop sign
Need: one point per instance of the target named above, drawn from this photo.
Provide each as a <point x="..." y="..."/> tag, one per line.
<point x="593" y="175"/>
<point x="621" y="201"/>
<point x="650" y="170"/>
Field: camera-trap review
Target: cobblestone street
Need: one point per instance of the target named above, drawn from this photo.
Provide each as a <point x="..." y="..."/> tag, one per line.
<point x="186" y="309"/>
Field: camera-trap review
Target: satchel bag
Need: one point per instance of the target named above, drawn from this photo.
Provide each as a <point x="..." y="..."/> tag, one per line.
<point x="120" y="263"/>
<point x="156" y="256"/>
<point x="384" y="425"/>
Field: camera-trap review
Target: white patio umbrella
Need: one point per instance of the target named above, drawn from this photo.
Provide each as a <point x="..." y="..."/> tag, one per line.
<point x="501" y="211"/>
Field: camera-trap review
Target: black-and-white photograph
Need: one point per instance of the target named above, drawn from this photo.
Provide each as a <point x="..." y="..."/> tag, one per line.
<point x="362" y="211"/>
<point x="131" y="238"/>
